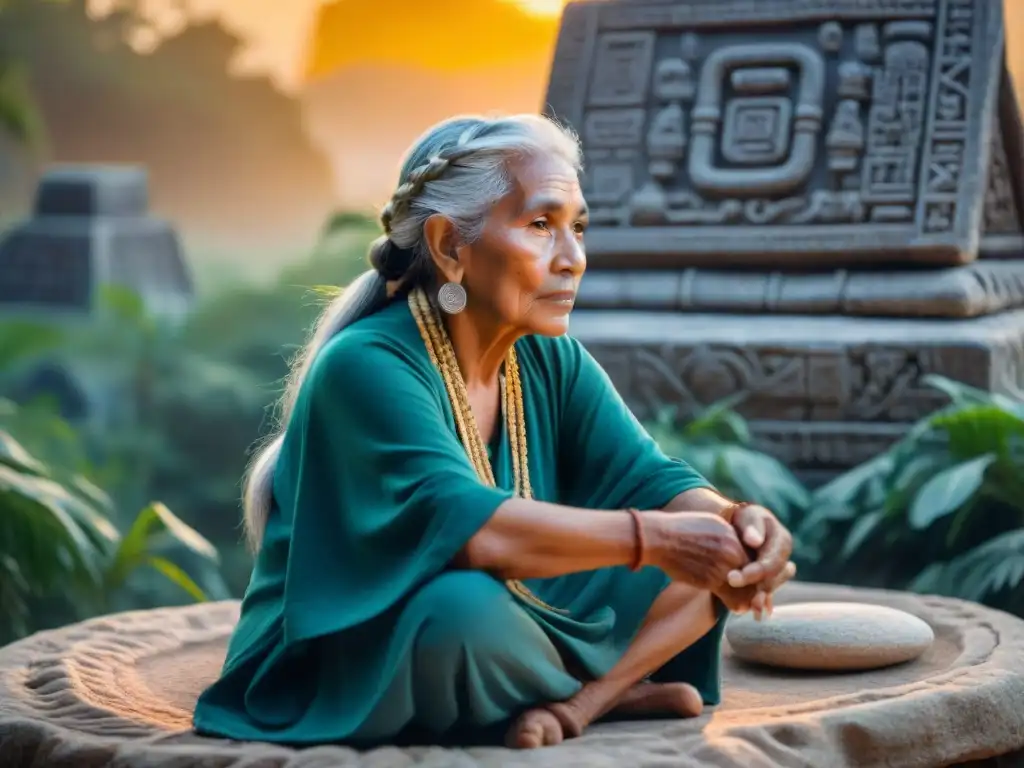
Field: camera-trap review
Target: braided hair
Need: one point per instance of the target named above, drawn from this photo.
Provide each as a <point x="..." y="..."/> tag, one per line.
<point x="391" y="260"/>
<point x="458" y="169"/>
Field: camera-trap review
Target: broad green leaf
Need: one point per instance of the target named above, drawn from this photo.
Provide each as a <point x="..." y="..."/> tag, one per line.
<point x="14" y="455"/>
<point x="979" y="429"/>
<point x="92" y="493"/>
<point x="43" y="499"/>
<point x="947" y="491"/>
<point x="861" y="531"/>
<point x="917" y="469"/>
<point x="845" y="489"/>
<point x="995" y="565"/>
<point x="177" y="576"/>
<point x="964" y="394"/>
<point x="765" y="480"/>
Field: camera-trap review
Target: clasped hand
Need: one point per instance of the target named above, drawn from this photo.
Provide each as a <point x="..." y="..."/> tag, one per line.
<point x="742" y="558"/>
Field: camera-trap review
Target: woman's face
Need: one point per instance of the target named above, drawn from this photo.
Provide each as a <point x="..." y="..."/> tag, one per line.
<point x="524" y="270"/>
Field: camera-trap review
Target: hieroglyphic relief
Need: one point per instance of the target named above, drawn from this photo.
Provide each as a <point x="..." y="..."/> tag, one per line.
<point x="855" y="119"/>
<point x="805" y="403"/>
<point x="946" y="145"/>
<point x="1001" y="216"/>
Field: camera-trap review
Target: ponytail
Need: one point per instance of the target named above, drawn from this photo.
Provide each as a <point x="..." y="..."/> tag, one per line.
<point x="366" y="295"/>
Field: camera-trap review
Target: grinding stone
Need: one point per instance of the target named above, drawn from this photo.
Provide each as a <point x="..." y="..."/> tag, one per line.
<point x="830" y="636"/>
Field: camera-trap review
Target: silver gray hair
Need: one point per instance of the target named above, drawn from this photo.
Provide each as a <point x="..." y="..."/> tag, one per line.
<point x="458" y="169"/>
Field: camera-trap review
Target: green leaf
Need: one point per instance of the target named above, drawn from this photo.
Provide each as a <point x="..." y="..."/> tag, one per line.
<point x="845" y="489"/>
<point x="152" y="522"/>
<point x="917" y="469"/>
<point x="177" y="576"/>
<point x="964" y="394"/>
<point x="22" y="340"/>
<point x="996" y="565"/>
<point x="44" y="505"/>
<point x="15" y="456"/>
<point x="947" y="491"/>
<point x="861" y="531"/>
<point x="719" y="422"/>
<point x="765" y="480"/>
<point x="977" y="429"/>
<point x="92" y="493"/>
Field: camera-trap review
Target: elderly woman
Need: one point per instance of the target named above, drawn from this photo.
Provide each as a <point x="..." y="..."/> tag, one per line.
<point x="461" y="526"/>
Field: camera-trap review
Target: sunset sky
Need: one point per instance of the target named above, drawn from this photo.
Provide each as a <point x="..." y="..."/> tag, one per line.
<point x="278" y="31"/>
<point x="399" y="66"/>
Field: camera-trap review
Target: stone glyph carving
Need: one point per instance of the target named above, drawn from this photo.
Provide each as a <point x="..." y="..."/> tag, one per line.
<point x="705" y="142"/>
<point x="821" y="394"/>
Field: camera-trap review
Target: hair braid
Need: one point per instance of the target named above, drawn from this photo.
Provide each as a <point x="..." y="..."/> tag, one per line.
<point x="432" y="170"/>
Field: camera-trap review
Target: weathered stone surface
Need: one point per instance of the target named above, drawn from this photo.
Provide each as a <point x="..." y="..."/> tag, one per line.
<point x="802" y="132"/>
<point x="91" y="227"/>
<point x="840" y="637"/>
<point x="118" y="691"/>
<point x="822" y="393"/>
<point x="985" y="287"/>
<point x="93" y="191"/>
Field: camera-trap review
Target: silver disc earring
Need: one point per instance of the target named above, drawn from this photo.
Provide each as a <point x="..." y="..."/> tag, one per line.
<point x="452" y="298"/>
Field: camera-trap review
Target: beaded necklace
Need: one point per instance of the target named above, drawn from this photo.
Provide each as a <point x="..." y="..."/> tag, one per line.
<point x="442" y="355"/>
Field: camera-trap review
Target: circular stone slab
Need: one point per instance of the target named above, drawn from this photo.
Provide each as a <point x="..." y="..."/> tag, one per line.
<point x="838" y="637"/>
<point x="118" y="691"/>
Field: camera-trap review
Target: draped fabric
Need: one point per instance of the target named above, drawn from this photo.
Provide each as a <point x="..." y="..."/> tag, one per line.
<point x="354" y="628"/>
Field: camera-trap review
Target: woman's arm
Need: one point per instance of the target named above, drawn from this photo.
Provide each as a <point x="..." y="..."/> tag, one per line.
<point x="527" y="539"/>
<point x="699" y="500"/>
<point x="531" y="539"/>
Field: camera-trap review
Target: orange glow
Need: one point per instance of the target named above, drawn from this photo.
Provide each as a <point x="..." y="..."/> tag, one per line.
<point x="447" y="35"/>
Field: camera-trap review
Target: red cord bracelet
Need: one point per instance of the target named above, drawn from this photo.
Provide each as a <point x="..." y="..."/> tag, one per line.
<point x="640" y="545"/>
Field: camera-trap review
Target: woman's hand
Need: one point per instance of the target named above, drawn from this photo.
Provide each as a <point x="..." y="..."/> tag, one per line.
<point x="756" y="597"/>
<point x="698" y="548"/>
<point x="761" y="532"/>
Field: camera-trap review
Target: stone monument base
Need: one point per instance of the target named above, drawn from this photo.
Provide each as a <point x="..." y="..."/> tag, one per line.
<point x="119" y="691"/>
<point x="823" y="393"/>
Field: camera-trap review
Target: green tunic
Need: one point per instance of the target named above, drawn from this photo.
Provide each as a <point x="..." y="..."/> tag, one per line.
<point x="354" y="629"/>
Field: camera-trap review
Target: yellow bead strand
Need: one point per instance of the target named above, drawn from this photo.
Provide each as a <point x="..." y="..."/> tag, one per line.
<point x="442" y="355"/>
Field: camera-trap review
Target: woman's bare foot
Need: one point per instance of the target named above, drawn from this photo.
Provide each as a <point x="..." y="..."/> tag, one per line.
<point x="679" y="699"/>
<point x="535" y="728"/>
<point x="550" y="725"/>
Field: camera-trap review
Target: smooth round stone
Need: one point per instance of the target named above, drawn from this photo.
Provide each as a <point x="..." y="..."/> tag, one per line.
<point x="830" y="636"/>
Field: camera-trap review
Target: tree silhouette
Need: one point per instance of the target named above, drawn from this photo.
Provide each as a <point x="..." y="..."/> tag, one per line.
<point x="224" y="153"/>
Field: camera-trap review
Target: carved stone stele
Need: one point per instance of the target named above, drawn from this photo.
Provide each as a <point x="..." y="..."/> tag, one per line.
<point x="811" y="133"/>
<point x="813" y="203"/>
